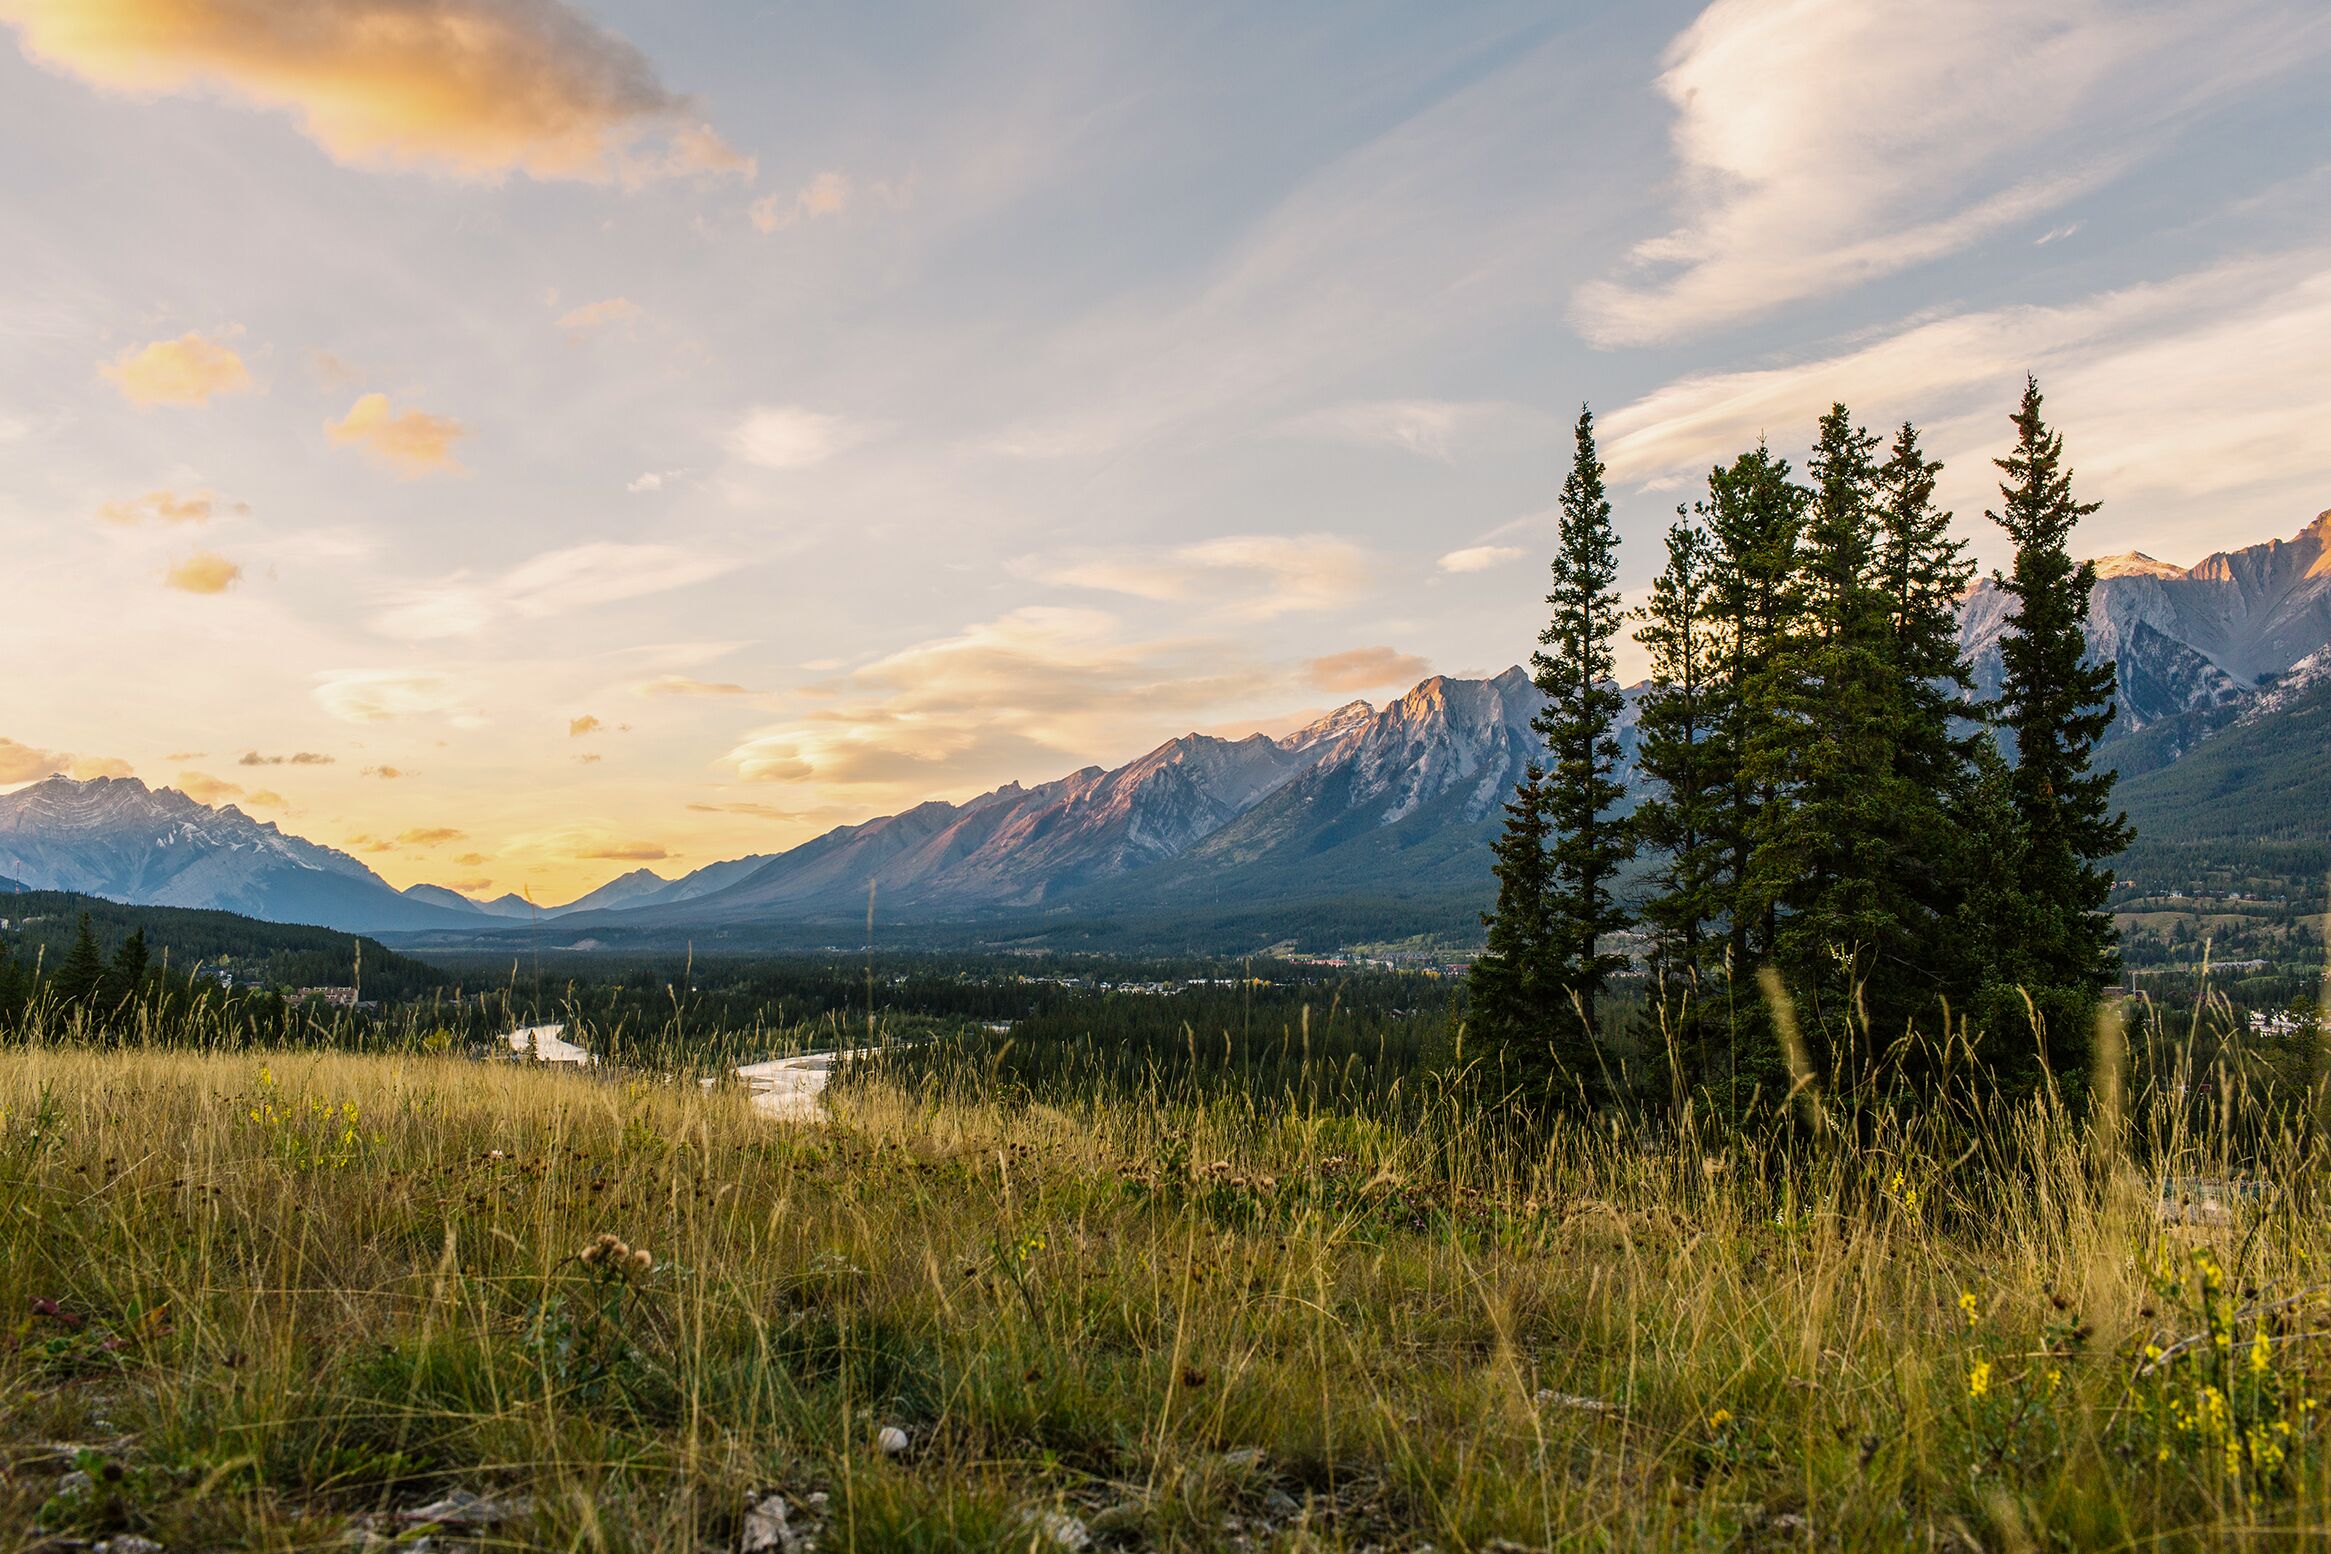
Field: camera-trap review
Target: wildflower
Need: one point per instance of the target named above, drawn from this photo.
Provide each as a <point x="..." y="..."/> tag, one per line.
<point x="1979" y="1379"/>
<point x="1967" y="1304"/>
<point x="2152" y="1351"/>
<point x="642" y="1260"/>
<point x="1719" y="1419"/>
<point x="604" y="1248"/>
<point x="2260" y="1353"/>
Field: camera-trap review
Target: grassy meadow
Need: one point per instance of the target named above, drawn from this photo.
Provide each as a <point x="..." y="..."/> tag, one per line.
<point x="310" y="1299"/>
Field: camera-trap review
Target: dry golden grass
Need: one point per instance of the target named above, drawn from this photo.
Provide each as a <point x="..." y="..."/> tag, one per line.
<point x="271" y="1301"/>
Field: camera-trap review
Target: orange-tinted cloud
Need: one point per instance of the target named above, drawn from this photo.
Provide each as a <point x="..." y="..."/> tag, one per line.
<point x="23" y="763"/>
<point x="1364" y="668"/>
<point x="296" y="758"/>
<point x="184" y="371"/>
<point x="204" y="572"/>
<point x="683" y="685"/>
<point x="474" y="88"/>
<point x="626" y="852"/>
<point x="586" y="724"/>
<point x="387" y="773"/>
<point x="206" y="789"/>
<point x="266" y="798"/>
<point x="824" y="195"/>
<point x="84" y="767"/>
<point x="166" y="507"/>
<point x="757" y="811"/>
<point x="431" y="836"/>
<point x="413" y="444"/>
<point x="597" y="315"/>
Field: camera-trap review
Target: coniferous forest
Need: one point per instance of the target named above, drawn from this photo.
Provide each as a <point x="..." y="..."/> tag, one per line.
<point x="1860" y="875"/>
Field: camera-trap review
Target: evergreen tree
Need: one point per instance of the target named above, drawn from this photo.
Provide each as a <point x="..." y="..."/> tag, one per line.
<point x="1507" y="1007"/>
<point x="1824" y="853"/>
<point x="1579" y="722"/>
<point x="82" y="975"/>
<point x="126" y="977"/>
<point x="1678" y="754"/>
<point x="15" y="986"/>
<point x="1924" y="573"/>
<point x="1755" y="515"/>
<point x="2055" y="705"/>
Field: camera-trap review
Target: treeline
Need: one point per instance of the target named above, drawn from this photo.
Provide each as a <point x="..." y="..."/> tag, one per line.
<point x="42" y="925"/>
<point x="1355" y="1039"/>
<point x="1858" y="872"/>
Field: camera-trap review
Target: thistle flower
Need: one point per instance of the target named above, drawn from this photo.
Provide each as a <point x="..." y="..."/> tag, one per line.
<point x="642" y="1260"/>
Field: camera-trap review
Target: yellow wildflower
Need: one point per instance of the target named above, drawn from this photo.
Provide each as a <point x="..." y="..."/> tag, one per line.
<point x="1719" y="1419"/>
<point x="1979" y="1379"/>
<point x="1967" y="1304"/>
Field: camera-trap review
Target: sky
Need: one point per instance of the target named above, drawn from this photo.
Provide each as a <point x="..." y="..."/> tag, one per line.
<point x="520" y="441"/>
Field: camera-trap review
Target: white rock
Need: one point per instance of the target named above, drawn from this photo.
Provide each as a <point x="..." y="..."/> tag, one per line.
<point x="766" y="1527"/>
<point x="1059" y="1528"/>
<point x="891" y="1441"/>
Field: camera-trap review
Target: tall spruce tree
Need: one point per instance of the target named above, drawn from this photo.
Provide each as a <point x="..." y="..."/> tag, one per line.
<point x="1679" y="757"/>
<point x="2055" y="705"/>
<point x="126" y="976"/>
<point x="83" y="972"/>
<point x="1923" y="574"/>
<point x="1824" y="852"/>
<point x="1579" y="722"/>
<point x="1507" y="1007"/>
<point x="1755" y="515"/>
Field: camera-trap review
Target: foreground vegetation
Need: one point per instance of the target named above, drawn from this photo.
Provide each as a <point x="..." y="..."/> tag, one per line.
<point x="285" y="1299"/>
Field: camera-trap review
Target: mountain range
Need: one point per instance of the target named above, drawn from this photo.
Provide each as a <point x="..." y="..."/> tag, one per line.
<point x="1369" y="822"/>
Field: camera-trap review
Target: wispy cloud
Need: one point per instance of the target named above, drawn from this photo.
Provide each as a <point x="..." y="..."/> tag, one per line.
<point x="790" y="437"/>
<point x="380" y="695"/>
<point x="553" y="583"/>
<point x="1242" y="576"/>
<point x="2210" y="385"/>
<point x="1366" y="668"/>
<point x="1428" y="428"/>
<point x="689" y="685"/>
<point x="624" y="851"/>
<point x="1005" y="697"/>
<point x="1479" y="558"/>
<point x="167" y="507"/>
<point x="824" y="195"/>
<point x="1820" y="145"/>
<point x="430" y="836"/>
<point x="476" y="88"/>
<point x="295" y="758"/>
<point x="594" y="316"/>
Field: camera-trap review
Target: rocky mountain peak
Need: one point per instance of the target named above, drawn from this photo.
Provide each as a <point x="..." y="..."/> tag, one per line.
<point x="2135" y="563"/>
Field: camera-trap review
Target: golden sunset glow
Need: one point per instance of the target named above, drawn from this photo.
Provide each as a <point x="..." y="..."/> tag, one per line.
<point x="522" y="441"/>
